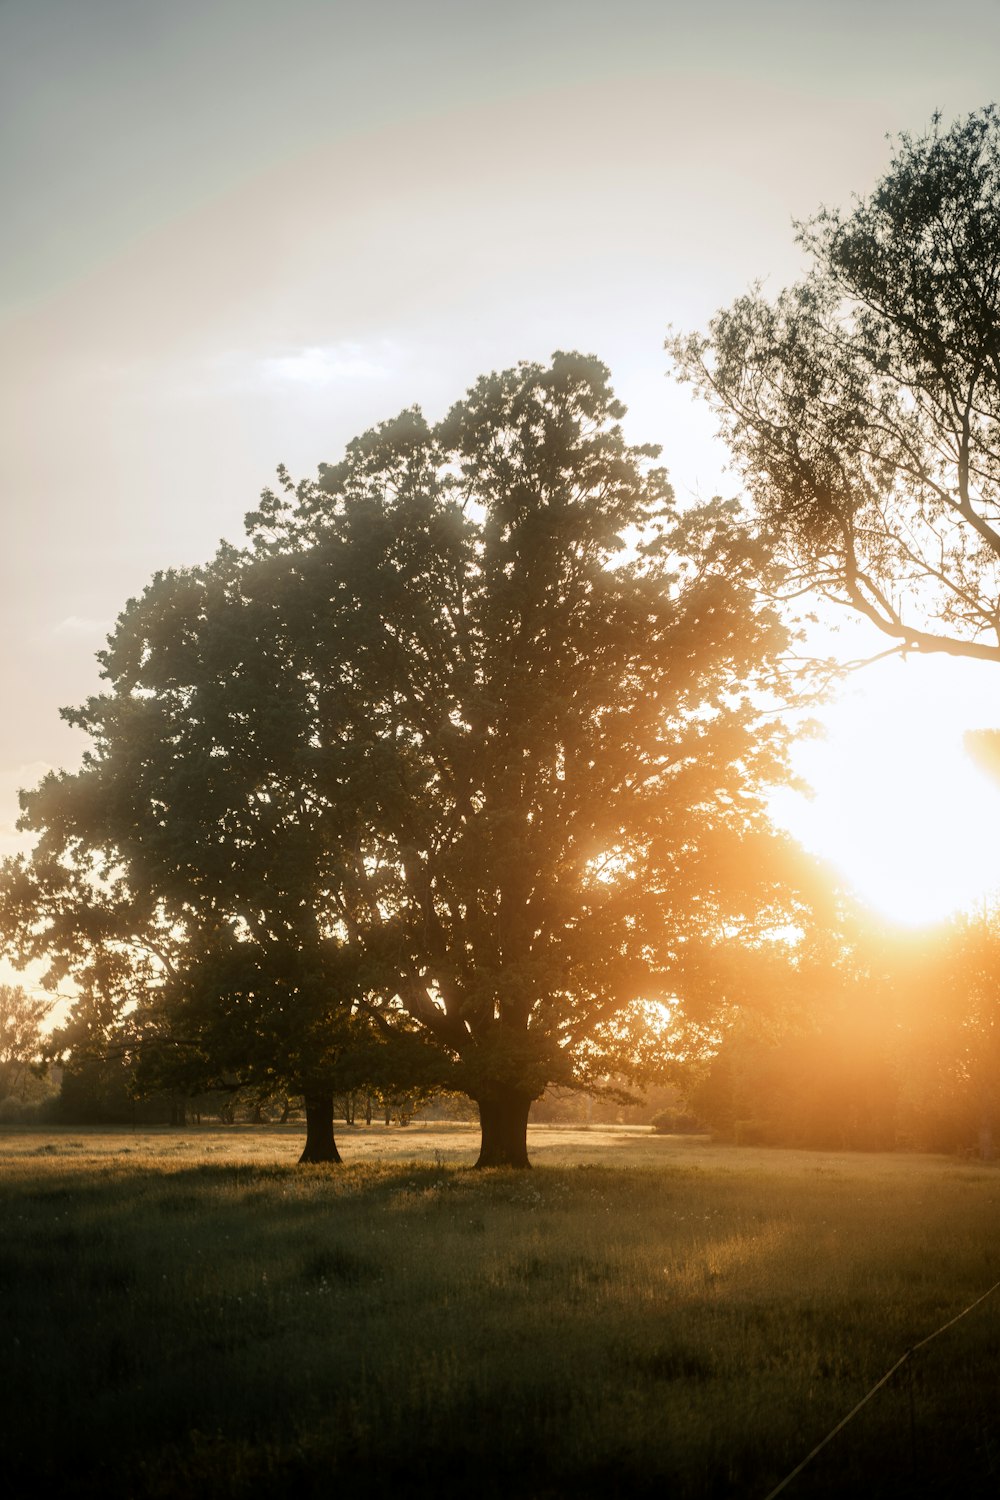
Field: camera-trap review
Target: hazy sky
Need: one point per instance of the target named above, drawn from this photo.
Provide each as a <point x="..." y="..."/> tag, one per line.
<point x="236" y="233"/>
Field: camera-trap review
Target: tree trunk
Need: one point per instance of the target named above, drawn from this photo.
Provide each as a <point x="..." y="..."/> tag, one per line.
<point x="320" y="1144"/>
<point x="503" y="1118"/>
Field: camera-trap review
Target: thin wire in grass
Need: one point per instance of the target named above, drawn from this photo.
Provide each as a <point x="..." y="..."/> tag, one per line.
<point x="875" y="1388"/>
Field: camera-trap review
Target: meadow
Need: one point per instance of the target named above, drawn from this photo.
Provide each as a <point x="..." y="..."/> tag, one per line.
<point x="191" y="1313"/>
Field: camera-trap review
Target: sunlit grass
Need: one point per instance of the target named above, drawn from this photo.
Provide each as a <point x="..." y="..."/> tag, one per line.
<point x="193" y="1314"/>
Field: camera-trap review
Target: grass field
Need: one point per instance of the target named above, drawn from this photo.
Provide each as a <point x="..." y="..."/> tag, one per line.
<point x="189" y="1313"/>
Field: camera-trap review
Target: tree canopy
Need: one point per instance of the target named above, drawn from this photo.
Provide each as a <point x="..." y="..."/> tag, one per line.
<point x="863" y="404"/>
<point x="470" y="746"/>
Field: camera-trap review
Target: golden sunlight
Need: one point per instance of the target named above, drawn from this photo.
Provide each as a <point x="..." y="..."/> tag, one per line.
<point x="899" y="805"/>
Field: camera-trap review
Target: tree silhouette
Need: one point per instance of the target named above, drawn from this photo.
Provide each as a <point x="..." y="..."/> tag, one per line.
<point x="466" y="753"/>
<point x="185" y="878"/>
<point x="863" y="405"/>
<point x="550" y="670"/>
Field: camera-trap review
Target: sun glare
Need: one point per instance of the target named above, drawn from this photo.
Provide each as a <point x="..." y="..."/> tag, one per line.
<point x="900" y="807"/>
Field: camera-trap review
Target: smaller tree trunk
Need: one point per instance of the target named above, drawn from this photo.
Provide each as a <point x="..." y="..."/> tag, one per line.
<point x="503" y="1119"/>
<point x="320" y="1145"/>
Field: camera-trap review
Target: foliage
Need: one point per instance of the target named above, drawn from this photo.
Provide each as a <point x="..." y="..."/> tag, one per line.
<point x="952" y="1034"/>
<point x="458" y="772"/>
<point x="21" y="1037"/>
<point x="556" y="685"/>
<point x="185" y="878"/>
<point x="891" y="1039"/>
<point x="863" y="405"/>
<point x="831" y="1086"/>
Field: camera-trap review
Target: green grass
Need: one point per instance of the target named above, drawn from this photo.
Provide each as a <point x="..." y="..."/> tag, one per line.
<point x="192" y="1314"/>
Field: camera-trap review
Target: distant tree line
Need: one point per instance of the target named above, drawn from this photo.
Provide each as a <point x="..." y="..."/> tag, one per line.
<point x="897" y="1045"/>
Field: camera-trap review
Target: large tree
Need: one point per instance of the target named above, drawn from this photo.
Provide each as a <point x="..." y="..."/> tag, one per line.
<point x="863" y="404"/>
<point x="553" y="673"/>
<point x="471" y="744"/>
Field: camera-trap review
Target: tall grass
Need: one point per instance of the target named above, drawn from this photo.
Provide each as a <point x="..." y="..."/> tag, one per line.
<point x="191" y="1316"/>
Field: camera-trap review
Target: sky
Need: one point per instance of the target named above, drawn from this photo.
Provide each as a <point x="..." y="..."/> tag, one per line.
<point x="238" y="233"/>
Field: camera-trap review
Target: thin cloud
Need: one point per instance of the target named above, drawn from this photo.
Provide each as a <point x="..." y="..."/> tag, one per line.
<point x="80" y="625"/>
<point x="330" y="364"/>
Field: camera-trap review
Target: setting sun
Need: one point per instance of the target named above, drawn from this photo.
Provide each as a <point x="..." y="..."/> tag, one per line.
<point x="899" y="806"/>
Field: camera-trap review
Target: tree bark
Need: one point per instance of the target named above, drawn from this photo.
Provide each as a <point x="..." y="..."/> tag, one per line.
<point x="320" y="1145"/>
<point x="503" y="1119"/>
